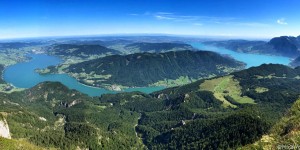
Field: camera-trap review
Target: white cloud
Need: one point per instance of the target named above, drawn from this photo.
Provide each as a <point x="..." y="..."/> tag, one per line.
<point x="162" y="17"/>
<point x="198" y="20"/>
<point x="189" y="18"/>
<point x="281" y="21"/>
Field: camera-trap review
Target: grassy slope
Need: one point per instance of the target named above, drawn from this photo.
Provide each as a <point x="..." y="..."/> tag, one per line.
<point x="285" y="132"/>
<point x="226" y="86"/>
<point x="272" y="97"/>
<point x="12" y="144"/>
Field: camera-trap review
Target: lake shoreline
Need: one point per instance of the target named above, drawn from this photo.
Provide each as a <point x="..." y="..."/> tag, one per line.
<point x="123" y="88"/>
<point x="30" y="78"/>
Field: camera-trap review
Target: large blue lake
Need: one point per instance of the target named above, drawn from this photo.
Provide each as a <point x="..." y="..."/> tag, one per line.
<point x="250" y="59"/>
<point x="22" y="75"/>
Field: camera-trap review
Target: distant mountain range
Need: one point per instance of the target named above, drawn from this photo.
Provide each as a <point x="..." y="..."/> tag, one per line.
<point x="157" y="47"/>
<point x="80" y="50"/>
<point x="89" y="48"/>
<point x="17" y="45"/>
<point x="143" y="69"/>
<point x="106" y="43"/>
<point x="284" y="46"/>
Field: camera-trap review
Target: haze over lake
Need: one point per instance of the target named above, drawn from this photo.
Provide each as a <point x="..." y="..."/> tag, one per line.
<point x="250" y="59"/>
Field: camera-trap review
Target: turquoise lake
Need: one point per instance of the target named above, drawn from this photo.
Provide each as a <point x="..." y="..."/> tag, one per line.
<point x="250" y="59"/>
<point x="22" y="75"/>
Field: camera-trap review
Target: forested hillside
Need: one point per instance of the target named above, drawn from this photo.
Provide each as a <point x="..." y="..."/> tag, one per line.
<point x="144" y="69"/>
<point x="197" y="118"/>
<point x="284" y="134"/>
<point x="51" y="115"/>
<point x="226" y="112"/>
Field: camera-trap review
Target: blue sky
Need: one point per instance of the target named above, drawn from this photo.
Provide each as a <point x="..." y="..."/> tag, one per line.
<point x="232" y="18"/>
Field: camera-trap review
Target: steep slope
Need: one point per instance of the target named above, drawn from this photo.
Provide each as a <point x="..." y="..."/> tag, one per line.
<point x="51" y="115"/>
<point x="284" y="135"/>
<point x="4" y="129"/>
<point x="195" y="119"/>
<point x="80" y="50"/>
<point x="143" y="69"/>
<point x="157" y="47"/>
<point x="286" y="45"/>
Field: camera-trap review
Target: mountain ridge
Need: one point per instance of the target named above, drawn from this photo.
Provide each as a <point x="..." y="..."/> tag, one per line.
<point x="157" y="47"/>
<point x="287" y="46"/>
<point x="142" y="69"/>
<point x="80" y="50"/>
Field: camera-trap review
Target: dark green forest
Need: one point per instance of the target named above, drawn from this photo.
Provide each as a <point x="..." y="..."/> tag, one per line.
<point x="184" y="117"/>
<point x="142" y="69"/>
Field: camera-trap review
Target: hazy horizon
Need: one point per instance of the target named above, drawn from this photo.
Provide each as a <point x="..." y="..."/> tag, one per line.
<point x="199" y="37"/>
<point x="229" y="19"/>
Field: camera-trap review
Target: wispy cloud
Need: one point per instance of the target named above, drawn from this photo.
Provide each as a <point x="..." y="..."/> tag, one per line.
<point x="282" y="21"/>
<point x="188" y="18"/>
<point x="198" y="20"/>
<point x="165" y="13"/>
<point x="162" y="17"/>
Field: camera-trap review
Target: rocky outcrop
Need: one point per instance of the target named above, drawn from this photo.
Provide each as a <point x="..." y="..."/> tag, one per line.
<point x="4" y="129"/>
<point x="74" y="103"/>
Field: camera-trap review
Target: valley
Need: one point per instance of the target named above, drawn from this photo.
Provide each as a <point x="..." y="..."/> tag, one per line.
<point x="154" y="100"/>
<point x="166" y="118"/>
